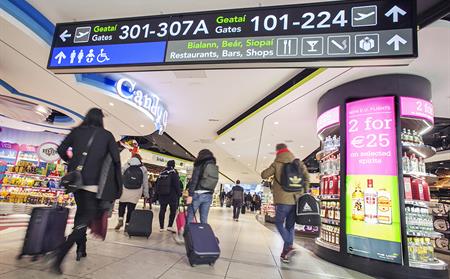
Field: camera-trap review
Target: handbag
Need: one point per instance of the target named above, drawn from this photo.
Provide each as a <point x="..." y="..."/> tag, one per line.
<point x="73" y="180"/>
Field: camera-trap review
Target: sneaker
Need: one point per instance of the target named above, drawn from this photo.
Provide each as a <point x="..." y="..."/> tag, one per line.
<point x="161" y="230"/>
<point x="119" y="224"/>
<point x="171" y="229"/>
<point x="284" y="258"/>
<point x="290" y="252"/>
<point x="125" y="230"/>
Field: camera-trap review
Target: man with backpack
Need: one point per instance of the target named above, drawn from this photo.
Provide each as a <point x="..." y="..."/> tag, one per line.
<point x="237" y="193"/>
<point x="168" y="193"/>
<point x="135" y="183"/>
<point x="291" y="179"/>
<point x="202" y="185"/>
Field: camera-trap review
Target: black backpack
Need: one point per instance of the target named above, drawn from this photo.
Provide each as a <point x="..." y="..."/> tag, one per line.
<point x="308" y="211"/>
<point x="133" y="177"/>
<point x="163" y="183"/>
<point x="292" y="178"/>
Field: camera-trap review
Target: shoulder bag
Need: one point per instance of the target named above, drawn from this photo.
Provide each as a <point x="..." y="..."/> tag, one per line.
<point x="73" y="180"/>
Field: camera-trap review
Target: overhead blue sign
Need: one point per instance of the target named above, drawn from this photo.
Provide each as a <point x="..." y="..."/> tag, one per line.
<point x="151" y="52"/>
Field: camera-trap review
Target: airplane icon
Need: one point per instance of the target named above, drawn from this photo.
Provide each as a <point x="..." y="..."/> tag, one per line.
<point x="81" y="34"/>
<point x="363" y="16"/>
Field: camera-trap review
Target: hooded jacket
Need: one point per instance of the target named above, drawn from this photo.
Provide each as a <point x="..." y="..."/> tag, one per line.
<point x="175" y="187"/>
<point x="133" y="195"/>
<point x="279" y="195"/>
<point x="199" y="166"/>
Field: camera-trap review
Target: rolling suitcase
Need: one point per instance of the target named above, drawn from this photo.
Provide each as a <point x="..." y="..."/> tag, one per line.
<point x="202" y="246"/>
<point x="45" y="232"/>
<point x="140" y="223"/>
<point x="243" y="209"/>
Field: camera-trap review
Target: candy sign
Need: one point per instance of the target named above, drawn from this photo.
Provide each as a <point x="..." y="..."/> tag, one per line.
<point x="48" y="152"/>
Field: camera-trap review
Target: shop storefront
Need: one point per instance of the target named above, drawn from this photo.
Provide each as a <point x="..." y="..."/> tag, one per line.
<point x="30" y="171"/>
<point x="374" y="193"/>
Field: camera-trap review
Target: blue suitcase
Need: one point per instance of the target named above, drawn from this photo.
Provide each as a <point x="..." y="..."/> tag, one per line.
<point x="202" y="246"/>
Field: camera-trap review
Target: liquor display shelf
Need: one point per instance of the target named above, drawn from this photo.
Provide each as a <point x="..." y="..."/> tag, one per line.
<point x="329" y="221"/>
<point x="329" y="197"/>
<point x="324" y="154"/>
<point x="423" y="204"/>
<point x="424" y="151"/>
<point x="436" y="265"/>
<point x="420" y="125"/>
<point x="33" y="188"/>
<point x="429" y="177"/>
<point x="330" y="130"/>
<point x="323" y="175"/>
<point x="424" y="234"/>
<point x="327" y="245"/>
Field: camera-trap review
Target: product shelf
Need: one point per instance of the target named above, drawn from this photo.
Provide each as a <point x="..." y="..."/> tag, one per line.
<point x="429" y="177"/>
<point x="423" y="204"/>
<point x="424" y="151"/>
<point x="330" y="130"/>
<point x="329" y="221"/>
<point x="324" y="154"/>
<point x="33" y="188"/>
<point x="329" y="175"/>
<point x="442" y="251"/>
<point x="8" y="157"/>
<point x="424" y="234"/>
<point x="32" y="175"/>
<point x="420" y="125"/>
<point x="437" y="265"/>
<point x="327" y="245"/>
<point x="329" y="197"/>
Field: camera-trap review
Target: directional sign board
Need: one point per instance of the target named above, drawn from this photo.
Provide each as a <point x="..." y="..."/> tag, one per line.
<point x="341" y="33"/>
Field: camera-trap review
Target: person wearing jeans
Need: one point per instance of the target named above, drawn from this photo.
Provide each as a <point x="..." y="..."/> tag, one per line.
<point x="237" y="193"/>
<point x="199" y="198"/>
<point x="285" y="202"/>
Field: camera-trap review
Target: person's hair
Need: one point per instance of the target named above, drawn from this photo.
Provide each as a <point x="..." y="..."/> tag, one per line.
<point x="137" y="156"/>
<point x="171" y="163"/>
<point x="238" y="181"/>
<point x="281" y="146"/>
<point x="202" y="155"/>
<point x="93" y="118"/>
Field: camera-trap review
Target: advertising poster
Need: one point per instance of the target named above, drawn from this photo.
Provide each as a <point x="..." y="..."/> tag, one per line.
<point x="372" y="201"/>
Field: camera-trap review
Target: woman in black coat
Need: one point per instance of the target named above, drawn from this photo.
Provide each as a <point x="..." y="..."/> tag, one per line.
<point x="101" y="177"/>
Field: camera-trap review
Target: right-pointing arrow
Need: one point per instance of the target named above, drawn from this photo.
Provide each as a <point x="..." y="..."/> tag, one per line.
<point x="396" y="40"/>
<point x="394" y="12"/>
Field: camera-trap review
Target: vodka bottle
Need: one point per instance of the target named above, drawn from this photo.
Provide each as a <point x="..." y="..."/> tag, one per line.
<point x="405" y="163"/>
<point x="403" y="135"/>
<point x="414" y="163"/>
<point x="409" y="136"/>
<point x="335" y="142"/>
<point x="370" y="204"/>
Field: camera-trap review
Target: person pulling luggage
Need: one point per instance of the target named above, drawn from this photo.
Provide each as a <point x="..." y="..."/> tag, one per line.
<point x="168" y="192"/>
<point x="135" y="183"/>
<point x="237" y="193"/>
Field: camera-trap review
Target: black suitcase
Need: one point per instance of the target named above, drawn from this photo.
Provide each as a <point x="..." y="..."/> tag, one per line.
<point x="243" y="209"/>
<point x="202" y="246"/>
<point x="45" y="232"/>
<point x="140" y="223"/>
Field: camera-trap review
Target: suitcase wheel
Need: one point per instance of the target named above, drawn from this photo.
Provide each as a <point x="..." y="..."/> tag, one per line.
<point x="34" y="258"/>
<point x="212" y="264"/>
<point x="19" y="257"/>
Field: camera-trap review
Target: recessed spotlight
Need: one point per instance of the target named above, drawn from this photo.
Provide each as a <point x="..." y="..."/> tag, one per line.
<point x="111" y="104"/>
<point x="142" y="126"/>
<point x="302" y="146"/>
<point x="223" y="142"/>
<point x="441" y="163"/>
<point x="174" y="143"/>
<point x="239" y="156"/>
<point x="268" y="144"/>
<point x="276" y="123"/>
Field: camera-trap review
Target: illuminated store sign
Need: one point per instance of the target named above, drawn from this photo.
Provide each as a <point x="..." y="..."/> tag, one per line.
<point x="372" y="195"/>
<point x="145" y="100"/>
<point x="328" y="118"/>
<point x="416" y="108"/>
<point x="334" y="32"/>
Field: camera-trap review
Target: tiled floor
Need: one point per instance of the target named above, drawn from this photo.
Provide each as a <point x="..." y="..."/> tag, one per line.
<point x="249" y="251"/>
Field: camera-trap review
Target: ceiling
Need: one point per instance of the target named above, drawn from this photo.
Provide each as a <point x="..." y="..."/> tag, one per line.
<point x="201" y="102"/>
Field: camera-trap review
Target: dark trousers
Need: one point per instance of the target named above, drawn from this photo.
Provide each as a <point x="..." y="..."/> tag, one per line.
<point x="129" y="207"/>
<point x="162" y="213"/>
<point x="87" y="205"/>
<point x="237" y="205"/>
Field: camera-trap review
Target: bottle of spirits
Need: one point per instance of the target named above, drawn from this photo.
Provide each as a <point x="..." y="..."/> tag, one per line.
<point x="370" y="204"/>
<point x="403" y="135"/>
<point x="358" y="204"/>
<point x="405" y="163"/>
<point x="335" y="142"/>
<point x="416" y="137"/>
<point x="414" y="164"/>
<point x="409" y="136"/>
<point x="384" y="207"/>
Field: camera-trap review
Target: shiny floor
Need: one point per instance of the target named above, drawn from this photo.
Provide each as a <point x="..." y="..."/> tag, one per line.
<point x="249" y="250"/>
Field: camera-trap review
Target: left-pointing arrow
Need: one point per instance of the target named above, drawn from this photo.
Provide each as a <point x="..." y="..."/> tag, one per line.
<point x="60" y="56"/>
<point x="65" y="35"/>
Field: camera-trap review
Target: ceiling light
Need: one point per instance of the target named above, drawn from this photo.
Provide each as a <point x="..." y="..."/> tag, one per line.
<point x="111" y="104"/>
<point x="302" y="146"/>
<point x="239" y="156"/>
<point x="268" y="144"/>
<point x="142" y="126"/>
<point x="276" y="122"/>
<point x="223" y="142"/>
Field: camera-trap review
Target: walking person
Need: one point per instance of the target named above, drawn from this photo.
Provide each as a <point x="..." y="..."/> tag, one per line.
<point x="238" y="200"/>
<point x="222" y="197"/>
<point x="91" y="195"/>
<point x="202" y="185"/>
<point x="285" y="202"/>
<point x="135" y="183"/>
<point x="168" y="193"/>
